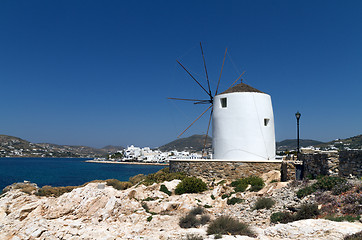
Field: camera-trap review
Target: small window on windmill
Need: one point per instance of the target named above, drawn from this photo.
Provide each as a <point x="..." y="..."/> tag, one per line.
<point x="224" y="102"/>
<point x="266" y="121"/>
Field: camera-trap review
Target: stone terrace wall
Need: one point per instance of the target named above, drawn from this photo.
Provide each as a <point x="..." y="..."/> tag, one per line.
<point x="213" y="169"/>
<point x="315" y="164"/>
<point x="350" y="162"/>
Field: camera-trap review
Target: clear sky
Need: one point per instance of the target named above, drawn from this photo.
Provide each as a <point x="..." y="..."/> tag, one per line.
<point x="96" y="73"/>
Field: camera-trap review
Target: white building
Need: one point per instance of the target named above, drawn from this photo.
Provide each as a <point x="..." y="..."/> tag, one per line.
<point x="243" y="125"/>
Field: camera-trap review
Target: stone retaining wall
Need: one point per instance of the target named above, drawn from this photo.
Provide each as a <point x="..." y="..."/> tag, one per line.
<point x="213" y="169"/>
<point x="350" y="162"/>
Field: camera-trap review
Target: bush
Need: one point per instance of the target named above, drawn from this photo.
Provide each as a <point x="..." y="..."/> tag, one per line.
<point x="356" y="236"/>
<point x="341" y="188"/>
<point x="162" y="176"/>
<point x="264" y="203"/>
<point x="307" y="211"/>
<point x="326" y="183"/>
<point x="189" y="221"/>
<point x="234" y="200"/>
<point x="212" y="197"/>
<point x="344" y="218"/>
<point x="53" y="191"/>
<point x="137" y="179"/>
<point x="305" y="191"/>
<point x="256" y="184"/>
<point x="197" y="211"/>
<point x="164" y="189"/>
<point x="228" y="225"/>
<point x="149" y="219"/>
<point x="225" y="195"/>
<point x="281" y="217"/>
<point x="207" y="206"/>
<point x="190" y="185"/>
<point x="116" y="184"/>
<point x="25" y="187"/>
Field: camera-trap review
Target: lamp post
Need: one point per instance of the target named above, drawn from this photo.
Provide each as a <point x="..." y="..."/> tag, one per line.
<point x="297" y="115"/>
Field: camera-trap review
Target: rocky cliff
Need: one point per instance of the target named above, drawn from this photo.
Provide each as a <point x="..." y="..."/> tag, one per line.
<point x="98" y="211"/>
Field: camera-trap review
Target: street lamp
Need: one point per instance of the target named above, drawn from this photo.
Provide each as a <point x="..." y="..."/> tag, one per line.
<point x="297" y="115"/>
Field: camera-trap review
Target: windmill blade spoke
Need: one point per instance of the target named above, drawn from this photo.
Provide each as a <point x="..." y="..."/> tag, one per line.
<point x="223" y="61"/>
<point x="194" y="121"/>
<point x="203" y="102"/>
<point x="186" y="99"/>
<point x="237" y="79"/>
<point x="193" y="78"/>
<point x="207" y="76"/>
<point x="207" y="133"/>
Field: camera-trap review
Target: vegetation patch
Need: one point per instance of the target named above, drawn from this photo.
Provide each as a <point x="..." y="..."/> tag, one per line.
<point x="25" y="187"/>
<point x="50" y="191"/>
<point x="194" y="218"/>
<point x="116" y="184"/>
<point x="256" y="183"/>
<point x="190" y="185"/>
<point x="149" y="219"/>
<point x="348" y="218"/>
<point x="234" y="200"/>
<point x="228" y="225"/>
<point x="162" y="176"/>
<point x="164" y="189"/>
<point x="325" y="183"/>
<point x="266" y="203"/>
<point x="306" y="211"/>
<point x="193" y="237"/>
<point x="225" y="195"/>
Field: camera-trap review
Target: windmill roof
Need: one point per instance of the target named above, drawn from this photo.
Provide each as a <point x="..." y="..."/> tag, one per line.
<point x="241" y="87"/>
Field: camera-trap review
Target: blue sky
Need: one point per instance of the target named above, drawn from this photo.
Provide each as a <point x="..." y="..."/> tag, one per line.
<point x="99" y="72"/>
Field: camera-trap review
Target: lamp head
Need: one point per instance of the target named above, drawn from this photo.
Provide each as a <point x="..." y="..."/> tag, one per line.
<point x="297" y="115"/>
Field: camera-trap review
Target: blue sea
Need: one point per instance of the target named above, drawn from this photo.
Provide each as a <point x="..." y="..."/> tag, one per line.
<point x="65" y="171"/>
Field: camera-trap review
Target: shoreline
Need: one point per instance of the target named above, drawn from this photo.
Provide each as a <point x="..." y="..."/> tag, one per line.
<point x="131" y="163"/>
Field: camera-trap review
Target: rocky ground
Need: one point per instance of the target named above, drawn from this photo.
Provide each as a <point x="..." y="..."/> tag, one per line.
<point x="97" y="211"/>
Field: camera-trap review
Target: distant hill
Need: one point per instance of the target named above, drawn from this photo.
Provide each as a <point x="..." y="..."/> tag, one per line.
<point x="344" y="144"/>
<point x="194" y="143"/>
<point x="16" y="147"/>
<point x="290" y="144"/>
<point x="113" y="149"/>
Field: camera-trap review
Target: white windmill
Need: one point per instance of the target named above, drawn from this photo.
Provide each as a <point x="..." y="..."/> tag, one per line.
<point x="243" y="121"/>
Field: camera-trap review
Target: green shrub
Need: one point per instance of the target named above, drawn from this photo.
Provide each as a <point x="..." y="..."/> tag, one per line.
<point x="190" y="185"/>
<point x="25" y="187"/>
<point x="149" y="199"/>
<point x="137" y="179"/>
<point x="207" y="206"/>
<point x="225" y="195"/>
<point x="228" y="225"/>
<point x="344" y="218"/>
<point x="305" y="191"/>
<point x="234" y="200"/>
<point x="240" y="185"/>
<point x="281" y="217"/>
<point x="204" y="219"/>
<point x="274" y="181"/>
<point x="307" y="211"/>
<point x="189" y="221"/>
<point x="162" y="176"/>
<point x="356" y="236"/>
<point x="149" y="218"/>
<point x="54" y="191"/>
<point x="164" y="189"/>
<point x="116" y="184"/>
<point x="212" y="197"/>
<point x="326" y="183"/>
<point x="264" y="203"/>
<point x="197" y="211"/>
<point x="341" y="188"/>
<point x="217" y="236"/>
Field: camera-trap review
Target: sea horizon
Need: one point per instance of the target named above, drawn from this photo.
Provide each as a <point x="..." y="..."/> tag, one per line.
<point x="65" y="171"/>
